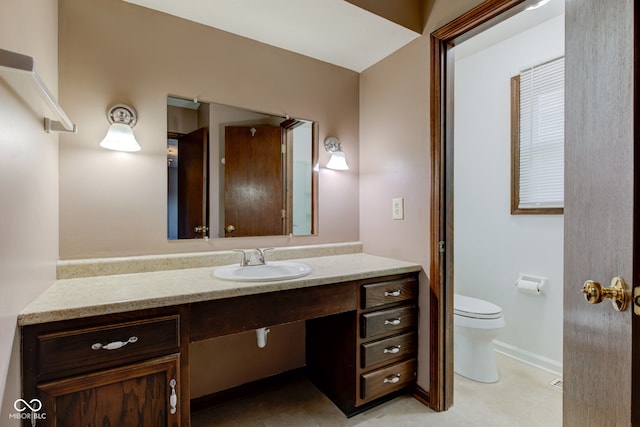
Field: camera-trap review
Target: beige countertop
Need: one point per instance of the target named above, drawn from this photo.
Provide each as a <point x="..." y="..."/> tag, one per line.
<point x="100" y="295"/>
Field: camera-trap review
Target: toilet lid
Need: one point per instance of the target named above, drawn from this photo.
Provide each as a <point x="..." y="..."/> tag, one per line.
<point x="474" y="307"/>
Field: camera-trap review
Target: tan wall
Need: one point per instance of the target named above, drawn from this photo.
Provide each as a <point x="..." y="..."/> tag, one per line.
<point x="181" y="120"/>
<point x="224" y="362"/>
<point x="114" y="204"/>
<point x="395" y="157"/>
<point x="29" y="190"/>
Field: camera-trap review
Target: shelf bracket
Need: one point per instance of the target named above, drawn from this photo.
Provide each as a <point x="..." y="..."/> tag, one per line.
<point x="22" y="64"/>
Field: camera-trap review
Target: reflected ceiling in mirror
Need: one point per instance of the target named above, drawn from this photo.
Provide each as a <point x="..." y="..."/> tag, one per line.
<point x="236" y="173"/>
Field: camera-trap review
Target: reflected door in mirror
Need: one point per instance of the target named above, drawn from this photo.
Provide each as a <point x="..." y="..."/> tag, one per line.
<point x="188" y="185"/>
<point x="253" y="181"/>
<point x="188" y="157"/>
<point x="193" y="185"/>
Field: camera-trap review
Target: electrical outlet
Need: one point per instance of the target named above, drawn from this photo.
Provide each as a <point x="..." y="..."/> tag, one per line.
<point x="397" y="208"/>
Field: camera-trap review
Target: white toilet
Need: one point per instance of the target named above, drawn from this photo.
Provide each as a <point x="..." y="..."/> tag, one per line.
<point x="476" y="323"/>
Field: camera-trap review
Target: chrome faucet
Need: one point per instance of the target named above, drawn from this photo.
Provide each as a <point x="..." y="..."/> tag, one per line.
<point x="256" y="258"/>
<point x="243" y="261"/>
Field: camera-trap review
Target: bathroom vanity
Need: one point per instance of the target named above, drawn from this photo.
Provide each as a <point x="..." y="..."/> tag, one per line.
<point x="97" y="348"/>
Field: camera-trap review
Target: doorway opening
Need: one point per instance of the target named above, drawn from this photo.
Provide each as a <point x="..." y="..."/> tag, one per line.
<point x="448" y="44"/>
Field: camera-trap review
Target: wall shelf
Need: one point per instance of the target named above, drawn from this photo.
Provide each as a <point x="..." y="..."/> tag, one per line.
<point x="12" y="63"/>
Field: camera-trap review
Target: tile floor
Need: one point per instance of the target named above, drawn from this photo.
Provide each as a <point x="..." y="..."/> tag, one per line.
<point x="522" y="397"/>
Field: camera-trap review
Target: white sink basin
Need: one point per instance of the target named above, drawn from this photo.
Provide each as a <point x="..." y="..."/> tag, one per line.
<point x="272" y="270"/>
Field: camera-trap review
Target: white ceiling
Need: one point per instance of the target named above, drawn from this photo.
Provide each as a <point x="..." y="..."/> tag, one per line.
<point x="510" y="27"/>
<point x="333" y="31"/>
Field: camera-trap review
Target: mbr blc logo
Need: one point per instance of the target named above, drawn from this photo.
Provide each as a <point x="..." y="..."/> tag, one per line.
<point x="22" y="405"/>
<point x="28" y="410"/>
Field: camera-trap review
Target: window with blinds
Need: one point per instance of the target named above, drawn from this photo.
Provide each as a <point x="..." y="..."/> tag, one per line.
<point x="537" y="139"/>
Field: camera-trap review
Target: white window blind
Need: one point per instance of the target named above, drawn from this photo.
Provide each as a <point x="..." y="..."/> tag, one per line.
<point x="542" y="136"/>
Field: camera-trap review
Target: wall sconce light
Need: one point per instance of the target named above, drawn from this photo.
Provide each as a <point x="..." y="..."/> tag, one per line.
<point x="538" y="4"/>
<point x="337" y="161"/>
<point x="120" y="135"/>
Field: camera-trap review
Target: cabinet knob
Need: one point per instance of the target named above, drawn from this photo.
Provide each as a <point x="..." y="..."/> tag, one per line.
<point x="394" y="322"/>
<point x="393" y="350"/>
<point x="395" y="293"/>
<point x="392" y="379"/>
<point x="113" y="345"/>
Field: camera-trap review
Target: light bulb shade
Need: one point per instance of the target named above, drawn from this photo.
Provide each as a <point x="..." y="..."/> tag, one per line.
<point x="537" y="5"/>
<point x="338" y="161"/>
<point x="120" y="138"/>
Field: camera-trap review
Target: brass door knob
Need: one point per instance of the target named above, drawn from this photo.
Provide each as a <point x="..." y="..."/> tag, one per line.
<point x="229" y="228"/>
<point x="595" y="293"/>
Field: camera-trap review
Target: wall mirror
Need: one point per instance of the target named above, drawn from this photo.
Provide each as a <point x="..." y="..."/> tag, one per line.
<point x="236" y="173"/>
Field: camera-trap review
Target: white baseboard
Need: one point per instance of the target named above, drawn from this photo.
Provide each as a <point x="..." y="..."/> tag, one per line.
<point x="528" y="357"/>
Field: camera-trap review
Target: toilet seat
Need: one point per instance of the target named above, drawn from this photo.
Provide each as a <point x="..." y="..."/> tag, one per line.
<point x="475" y="308"/>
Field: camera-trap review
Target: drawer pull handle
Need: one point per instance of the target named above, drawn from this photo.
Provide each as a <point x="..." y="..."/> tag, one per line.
<point x="393" y="350"/>
<point x="394" y="322"/>
<point x="114" y="345"/>
<point x="395" y="293"/>
<point x="392" y="379"/>
<point x="173" y="398"/>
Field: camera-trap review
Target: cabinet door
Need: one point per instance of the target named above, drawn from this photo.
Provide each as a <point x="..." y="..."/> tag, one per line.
<point x="142" y="394"/>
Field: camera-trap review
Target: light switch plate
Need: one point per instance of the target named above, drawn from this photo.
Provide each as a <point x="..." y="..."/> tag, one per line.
<point x="397" y="208"/>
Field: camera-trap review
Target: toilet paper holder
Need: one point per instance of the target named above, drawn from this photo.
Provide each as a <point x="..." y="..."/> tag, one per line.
<point x="529" y="284"/>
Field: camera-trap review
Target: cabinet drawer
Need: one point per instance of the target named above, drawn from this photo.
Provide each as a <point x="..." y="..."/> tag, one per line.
<point x="389" y="349"/>
<point x="386" y="380"/>
<point x="83" y="350"/>
<point x="378" y="294"/>
<point x="388" y="321"/>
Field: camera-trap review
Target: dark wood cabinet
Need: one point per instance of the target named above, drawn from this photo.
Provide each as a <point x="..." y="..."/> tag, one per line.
<point x="132" y="368"/>
<point x="80" y="350"/>
<point x="117" y="370"/>
<point x="375" y="353"/>
<point x="140" y="394"/>
<point x="364" y="357"/>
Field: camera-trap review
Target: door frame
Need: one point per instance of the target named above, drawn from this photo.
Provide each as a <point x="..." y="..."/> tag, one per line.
<point x="635" y="319"/>
<point x="460" y="29"/>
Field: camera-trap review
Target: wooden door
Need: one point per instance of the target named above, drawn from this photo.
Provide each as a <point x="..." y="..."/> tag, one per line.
<point x="193" y="185"/>
<point x="134" y="395"/>
<point x="253" y="181"/>
<point x="599" y="210"/>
